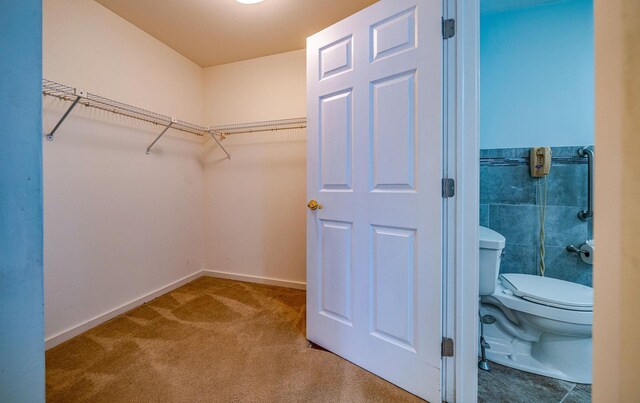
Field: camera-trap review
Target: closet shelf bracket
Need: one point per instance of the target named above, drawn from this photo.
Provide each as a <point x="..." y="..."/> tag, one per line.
<point x="173" y="121"/>
<point x="213" y="136"/>
<point x="79" y="94"/>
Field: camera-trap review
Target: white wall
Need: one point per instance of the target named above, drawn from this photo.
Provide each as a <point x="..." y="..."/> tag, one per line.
<point x="617" y="223"/>
<point x="87" y="46"/>
<point x="255" y="203"/>
<point x="118" y="224"/>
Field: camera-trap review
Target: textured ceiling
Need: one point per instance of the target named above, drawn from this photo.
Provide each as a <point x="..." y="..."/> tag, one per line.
<point x="213" y="32"/>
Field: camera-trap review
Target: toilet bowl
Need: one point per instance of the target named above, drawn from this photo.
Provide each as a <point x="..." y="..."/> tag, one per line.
<point x="543" y="325"/>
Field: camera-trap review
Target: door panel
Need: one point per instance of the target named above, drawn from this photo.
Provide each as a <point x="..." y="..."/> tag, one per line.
<point x="336" y="58"/>
<point x="393" y="132"/>
<point x="393" y="268"/>
<point x="394" y="34"/>
<point x="374" y="249"/>
<point x="335" y="288"/>
<point x="336" y="141"/>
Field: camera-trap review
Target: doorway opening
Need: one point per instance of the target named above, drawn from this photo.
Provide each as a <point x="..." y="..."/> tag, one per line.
<point x="536" y="232"/>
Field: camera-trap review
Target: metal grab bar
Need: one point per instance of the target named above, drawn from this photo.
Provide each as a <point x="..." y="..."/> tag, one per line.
<point x="588" y="152"/>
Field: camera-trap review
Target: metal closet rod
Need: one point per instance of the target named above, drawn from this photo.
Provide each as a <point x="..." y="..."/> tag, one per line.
<point x="76" y="96"/>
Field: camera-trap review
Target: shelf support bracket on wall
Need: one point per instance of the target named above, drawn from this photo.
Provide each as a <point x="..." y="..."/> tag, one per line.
<point x="173" y="120"/>
<point x="79" y="94"/>
<point x="213" y="136"/>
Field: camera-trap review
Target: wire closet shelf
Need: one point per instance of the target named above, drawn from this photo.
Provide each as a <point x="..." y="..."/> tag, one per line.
<point x="262" y="126"/>
<point x="217" y="133"/>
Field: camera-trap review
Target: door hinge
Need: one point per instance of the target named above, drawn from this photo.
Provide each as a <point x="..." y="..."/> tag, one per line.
<point x="448" y="28"/>
<point x="447" y="347"/>
<point x="448" y="187"/>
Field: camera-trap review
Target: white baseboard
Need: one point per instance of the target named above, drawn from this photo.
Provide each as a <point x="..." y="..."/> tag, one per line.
<point x="83" y="327"/>
<point x="65" y="335"/>
<point x="298" y="285"/>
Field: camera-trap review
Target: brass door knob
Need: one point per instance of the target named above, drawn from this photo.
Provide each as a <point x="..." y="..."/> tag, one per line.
<point x="313" y="205"/>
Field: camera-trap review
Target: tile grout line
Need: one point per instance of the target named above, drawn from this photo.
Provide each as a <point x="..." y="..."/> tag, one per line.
<point x="570" y="390"/>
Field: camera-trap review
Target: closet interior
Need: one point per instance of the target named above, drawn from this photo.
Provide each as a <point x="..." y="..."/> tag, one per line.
<point x="161" y="170"/>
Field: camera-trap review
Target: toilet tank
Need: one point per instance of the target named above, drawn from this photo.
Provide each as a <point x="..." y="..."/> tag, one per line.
<point x="491" y="247"/>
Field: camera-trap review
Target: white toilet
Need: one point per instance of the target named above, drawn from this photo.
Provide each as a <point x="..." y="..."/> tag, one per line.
<point x="542" y="325"/>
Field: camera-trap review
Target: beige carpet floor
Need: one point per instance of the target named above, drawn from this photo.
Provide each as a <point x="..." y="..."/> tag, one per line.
<point x="211" y="340"/>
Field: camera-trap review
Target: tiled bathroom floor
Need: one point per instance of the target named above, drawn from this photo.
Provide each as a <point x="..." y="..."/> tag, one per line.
<point x="504" y="384"/>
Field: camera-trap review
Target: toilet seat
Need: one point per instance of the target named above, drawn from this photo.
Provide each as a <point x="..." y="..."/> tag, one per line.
<point x="507" y="298"/>
<point x="549" y="291"/>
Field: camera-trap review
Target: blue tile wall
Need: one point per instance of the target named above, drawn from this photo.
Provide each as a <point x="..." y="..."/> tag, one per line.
<point x="508" y="205"/>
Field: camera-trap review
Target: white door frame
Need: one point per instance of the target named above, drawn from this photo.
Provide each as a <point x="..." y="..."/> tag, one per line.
<point x="460" y="294"/>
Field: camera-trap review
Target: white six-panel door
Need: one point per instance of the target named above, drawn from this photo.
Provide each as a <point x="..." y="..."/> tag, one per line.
<point x="374" y="259"/>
